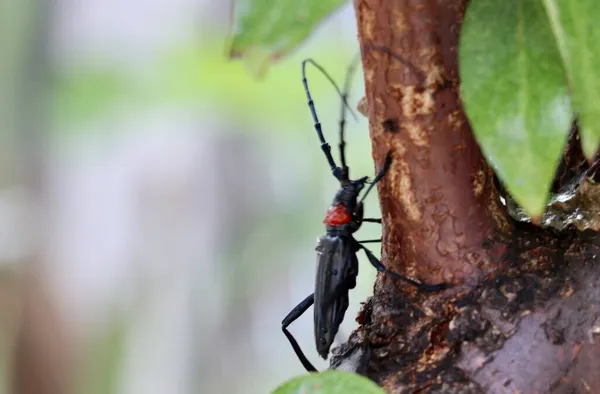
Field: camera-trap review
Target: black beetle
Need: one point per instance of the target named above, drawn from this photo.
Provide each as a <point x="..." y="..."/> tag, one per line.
<point x="337" y="263"/>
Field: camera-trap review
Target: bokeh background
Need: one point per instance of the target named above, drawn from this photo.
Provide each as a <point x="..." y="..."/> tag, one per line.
<point x="159" y="207"/>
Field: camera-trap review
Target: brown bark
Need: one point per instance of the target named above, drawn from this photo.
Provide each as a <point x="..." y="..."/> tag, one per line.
<point x="524" y="313"/>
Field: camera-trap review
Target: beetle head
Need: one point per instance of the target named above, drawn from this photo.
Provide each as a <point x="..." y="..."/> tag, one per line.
<point x="348" y="193"/>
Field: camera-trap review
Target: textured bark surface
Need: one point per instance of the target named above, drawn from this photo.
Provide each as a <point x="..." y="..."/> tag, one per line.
<point x="524" y="313"/>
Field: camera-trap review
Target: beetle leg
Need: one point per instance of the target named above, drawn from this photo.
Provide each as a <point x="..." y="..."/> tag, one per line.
<point x="379" y="267"/>
<point x="369" y="241"/>
<point x="372" y="220"/>
<point x="380" y="174"/>
<point x="289" y="319"/>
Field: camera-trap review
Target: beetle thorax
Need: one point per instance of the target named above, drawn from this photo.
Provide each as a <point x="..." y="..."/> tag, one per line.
<point x="341" y="211"/>
<point x="337" y="215"/>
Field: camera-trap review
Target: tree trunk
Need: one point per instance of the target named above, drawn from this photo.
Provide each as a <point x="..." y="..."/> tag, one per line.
<point x="522" y="315"/>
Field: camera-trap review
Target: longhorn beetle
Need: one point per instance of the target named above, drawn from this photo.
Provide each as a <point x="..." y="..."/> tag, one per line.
<point x="337" y="263"/>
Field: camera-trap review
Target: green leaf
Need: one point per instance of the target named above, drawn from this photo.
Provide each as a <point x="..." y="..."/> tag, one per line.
<point x="329" y="382"/>
<point x="265" y="30"/>
<point x="574" y="23"/>
<point x="515" y="93"/>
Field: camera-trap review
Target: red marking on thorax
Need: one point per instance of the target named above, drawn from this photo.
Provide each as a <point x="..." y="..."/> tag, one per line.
<point x="337" y="215"/>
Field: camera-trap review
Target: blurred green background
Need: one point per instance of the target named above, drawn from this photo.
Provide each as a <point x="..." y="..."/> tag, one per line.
<point x="159" y="207"/>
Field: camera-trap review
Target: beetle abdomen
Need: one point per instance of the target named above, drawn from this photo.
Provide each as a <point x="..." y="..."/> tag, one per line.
<point x="337" y="267"/>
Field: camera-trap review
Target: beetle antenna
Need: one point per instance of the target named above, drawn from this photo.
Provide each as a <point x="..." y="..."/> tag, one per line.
<point x="337" y="172"/>
<point x="344" y="105"/>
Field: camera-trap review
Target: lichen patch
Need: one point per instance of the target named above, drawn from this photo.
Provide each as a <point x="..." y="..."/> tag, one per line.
<point x="456" y="120"/>
<point x="479" y="183"/>
<point x="367" y="20"/>
<point x="405" y="193"/>
<point x="435" y="76"/>
<point x="416" y="102"/>
<point x="418" y="134"/>
<point x="398" y="146"/>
